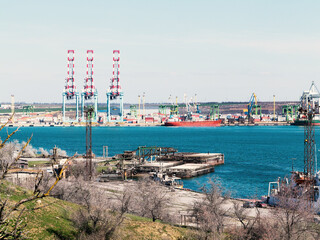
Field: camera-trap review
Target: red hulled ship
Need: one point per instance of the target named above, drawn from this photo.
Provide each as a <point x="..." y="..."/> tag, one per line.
<point x="204" y="123"/>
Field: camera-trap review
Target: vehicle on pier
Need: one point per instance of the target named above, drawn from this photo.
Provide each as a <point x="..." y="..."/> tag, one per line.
<point x="163" y="178"/>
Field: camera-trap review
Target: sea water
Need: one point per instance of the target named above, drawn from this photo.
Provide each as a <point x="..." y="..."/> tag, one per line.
<point x="254" y="155"/>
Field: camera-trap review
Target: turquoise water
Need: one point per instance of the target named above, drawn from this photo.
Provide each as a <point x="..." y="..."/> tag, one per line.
<point x="254" y="156"/>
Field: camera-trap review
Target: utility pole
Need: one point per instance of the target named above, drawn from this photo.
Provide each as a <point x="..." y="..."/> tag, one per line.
<point x="143" y="102"/>
<point x="12" y="107"/>
<point x="274" y="107"/>
<point x="139" y="103"/>
<point x="308" y="110"/>
<point x="89" y="111"/>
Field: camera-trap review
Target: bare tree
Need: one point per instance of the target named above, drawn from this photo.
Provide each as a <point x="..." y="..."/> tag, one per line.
<point x="293" y="215"/>
<point x="11" y="224"/>
<point x="251" y="227"/>
<point x="209" y="211"/>
<point x="9" y="155"/>
<point x="79" y="170"/>
<point x="100" y="216"/>
<point x="151" y="200"/>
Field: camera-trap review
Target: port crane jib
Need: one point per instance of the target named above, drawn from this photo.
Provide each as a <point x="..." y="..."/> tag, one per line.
<point x="89" y="91"/>
<point x="70" y="90"/>
<point x="115" y="90"/>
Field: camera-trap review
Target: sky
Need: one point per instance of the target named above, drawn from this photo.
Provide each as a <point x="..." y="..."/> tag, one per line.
<point x="219" y="50"/>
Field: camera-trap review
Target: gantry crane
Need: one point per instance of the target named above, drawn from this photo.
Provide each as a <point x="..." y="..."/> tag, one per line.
<point x="115" y="90"/>
<point x="70" y="90"/>
<point x="89" y="91"/>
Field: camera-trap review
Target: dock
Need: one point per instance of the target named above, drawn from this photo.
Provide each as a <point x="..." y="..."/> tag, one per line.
<point x="173" y="163"/>
<point x="190" y="170"/>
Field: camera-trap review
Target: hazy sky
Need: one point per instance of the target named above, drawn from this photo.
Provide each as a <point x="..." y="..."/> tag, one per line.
<point x="220" y="50"/>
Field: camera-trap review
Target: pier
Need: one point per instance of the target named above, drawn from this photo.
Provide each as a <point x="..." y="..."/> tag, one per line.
<point x="169" y="161"/>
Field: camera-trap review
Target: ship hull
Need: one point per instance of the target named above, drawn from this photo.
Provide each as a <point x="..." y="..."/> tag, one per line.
<point x="304" y="122"/>
<point x="206" y="123"/>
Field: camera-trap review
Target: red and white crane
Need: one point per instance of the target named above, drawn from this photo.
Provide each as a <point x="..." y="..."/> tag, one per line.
<point x="89" y="91"/>
<point x="70" y="90"/>
<point x="115" y="89"/>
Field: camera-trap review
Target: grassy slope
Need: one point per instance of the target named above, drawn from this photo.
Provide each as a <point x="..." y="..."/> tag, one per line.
<point x="53" y="220"/>
<point x="137" y="228"/>
<point x="38" y="163"/>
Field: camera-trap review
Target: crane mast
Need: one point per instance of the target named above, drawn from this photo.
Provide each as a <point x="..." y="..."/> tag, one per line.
<point x="115" y="90"/>
<point x="115" y="87"/>
<point x="70" y="87"/>
<point x="89" y="91"/>
<point x="70" y="90"/>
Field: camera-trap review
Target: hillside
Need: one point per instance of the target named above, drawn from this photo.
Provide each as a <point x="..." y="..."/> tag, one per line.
<point x="52" y="219"/>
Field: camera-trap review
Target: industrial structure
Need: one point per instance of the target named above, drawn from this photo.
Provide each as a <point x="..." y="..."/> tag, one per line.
<point x="12" y="107"/>
<point x="115" y="90"/>
<point x="309" y="108"/>
<point x="312" y="98"/>
<point x="27" y="110"/>
<point x="89" y="111"/>
<point x="70" y="90"/>
<point x="214" y="112"/>
<point x="89" y="91"/>
<point x="307" y="183"/>
<point x="290" y="112"/>
<point x="253" y="107"/>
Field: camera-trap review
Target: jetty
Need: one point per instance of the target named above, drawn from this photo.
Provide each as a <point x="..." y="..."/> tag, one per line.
<point x="147" y="160"/>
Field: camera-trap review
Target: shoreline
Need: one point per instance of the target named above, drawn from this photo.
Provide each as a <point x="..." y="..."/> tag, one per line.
<point x="123" y="124"/>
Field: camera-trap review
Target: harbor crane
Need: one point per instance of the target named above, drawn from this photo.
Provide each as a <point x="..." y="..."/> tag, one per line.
<point x="174" y="107"/>
<point x="196" y="104"/>
<point x="70" y="90"/>
<point x="89" y="91"/>
<point x="252" y="107"/>
<point x="115" y="90"/>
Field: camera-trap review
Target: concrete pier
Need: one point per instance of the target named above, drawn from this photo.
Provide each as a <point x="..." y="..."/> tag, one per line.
<point x="184" y="165"/>
<point x="190" y="170"/>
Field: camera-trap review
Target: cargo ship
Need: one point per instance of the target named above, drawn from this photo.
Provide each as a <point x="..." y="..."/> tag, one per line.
<point x="301" y="121"/>
<point x="203" y="123"/>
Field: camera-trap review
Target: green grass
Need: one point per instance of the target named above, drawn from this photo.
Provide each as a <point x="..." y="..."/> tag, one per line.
<point x="53" y="219"/>
<point x="100" y="168"/>
<point x="138" y="218"/>
<point x="38" y="163"/>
